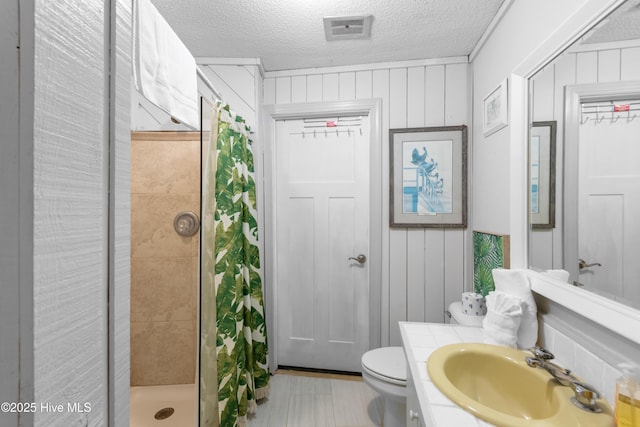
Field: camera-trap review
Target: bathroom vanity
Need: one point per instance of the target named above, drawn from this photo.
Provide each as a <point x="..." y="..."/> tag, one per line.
<point x="466" y="367"/>
<point x="426" y="405"/>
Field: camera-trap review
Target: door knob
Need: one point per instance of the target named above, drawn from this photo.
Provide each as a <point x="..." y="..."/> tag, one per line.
<point x="360" y="258"/>
<point x="583" y="264"/>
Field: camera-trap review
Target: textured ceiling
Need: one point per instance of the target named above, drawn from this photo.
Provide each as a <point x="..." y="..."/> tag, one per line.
<point x="289" y="34"/>
<point x="622" y="24"/>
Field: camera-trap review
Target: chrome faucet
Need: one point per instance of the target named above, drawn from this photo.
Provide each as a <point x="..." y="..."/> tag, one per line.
<point x="585" y="395"/>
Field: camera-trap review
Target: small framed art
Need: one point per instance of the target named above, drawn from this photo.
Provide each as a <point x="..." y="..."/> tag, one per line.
<point x="495" y="113"/>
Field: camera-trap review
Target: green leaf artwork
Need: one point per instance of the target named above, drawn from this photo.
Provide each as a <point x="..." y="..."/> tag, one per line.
<point x="488" y="253"/>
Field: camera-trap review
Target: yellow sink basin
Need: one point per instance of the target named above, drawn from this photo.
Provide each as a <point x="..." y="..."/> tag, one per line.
<point x="495" y="384"/>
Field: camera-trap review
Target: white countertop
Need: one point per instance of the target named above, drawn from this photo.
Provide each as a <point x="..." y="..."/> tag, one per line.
<point x="419" y="341"/>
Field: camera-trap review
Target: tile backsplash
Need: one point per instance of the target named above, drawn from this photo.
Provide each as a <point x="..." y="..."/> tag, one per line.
<point x="584" y="364"/>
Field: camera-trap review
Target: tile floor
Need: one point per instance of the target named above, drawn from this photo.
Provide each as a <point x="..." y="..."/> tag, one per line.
<point x="298" y="400"/>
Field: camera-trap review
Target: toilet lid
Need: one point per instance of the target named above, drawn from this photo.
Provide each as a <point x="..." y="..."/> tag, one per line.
<point x="387" y="362"/>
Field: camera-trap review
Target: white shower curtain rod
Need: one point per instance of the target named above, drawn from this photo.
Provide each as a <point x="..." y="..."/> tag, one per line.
<point x="208" y="83"/>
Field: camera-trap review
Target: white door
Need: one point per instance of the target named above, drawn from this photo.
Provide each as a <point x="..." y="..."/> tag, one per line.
<point x="609" y="205"/>
<point x="322" y="220"/>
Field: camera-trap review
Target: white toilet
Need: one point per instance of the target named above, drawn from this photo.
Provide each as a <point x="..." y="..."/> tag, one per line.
<point x="385" y="370"/>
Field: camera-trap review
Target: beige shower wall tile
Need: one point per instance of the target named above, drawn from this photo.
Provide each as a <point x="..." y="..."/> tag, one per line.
<point x="152" y="232"/>
<point x="162" y="289"/>
<point x="165" y="166"/>
<point x="195" y="241"/>
<point x="163" y="353"/>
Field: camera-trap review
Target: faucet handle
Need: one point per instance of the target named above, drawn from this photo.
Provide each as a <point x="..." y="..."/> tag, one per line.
<point x="541" y="353"/>
<point x="585" y="395"/>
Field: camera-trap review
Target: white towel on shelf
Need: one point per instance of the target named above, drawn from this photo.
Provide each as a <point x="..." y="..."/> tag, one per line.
<point x="504" y="313"/>
<point x="516" y="282"/>
<point x="164" y="69"/>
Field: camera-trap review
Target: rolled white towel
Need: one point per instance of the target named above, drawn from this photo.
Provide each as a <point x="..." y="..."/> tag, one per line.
<point x="516" y="282"/>
<point x="504" y="313"/>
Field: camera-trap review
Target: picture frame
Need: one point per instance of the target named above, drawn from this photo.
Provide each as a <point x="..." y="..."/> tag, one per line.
<point x="495" y="111"/>
<point x="428" y="177"/>
<point x="542" y="175"/>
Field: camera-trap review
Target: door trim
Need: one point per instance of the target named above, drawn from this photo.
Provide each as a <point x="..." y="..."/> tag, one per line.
<point x="273" y="113"/>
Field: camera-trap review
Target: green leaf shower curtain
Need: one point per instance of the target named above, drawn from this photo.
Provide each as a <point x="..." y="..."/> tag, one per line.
<point x="243" y="375"/>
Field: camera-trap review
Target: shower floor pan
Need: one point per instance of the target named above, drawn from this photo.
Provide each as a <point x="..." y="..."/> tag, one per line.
<point x="163" y="405"/>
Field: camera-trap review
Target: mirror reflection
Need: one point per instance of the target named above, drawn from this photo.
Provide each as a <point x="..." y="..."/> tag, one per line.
<point x="592" y="93"/>
<point x="542" y="174"/>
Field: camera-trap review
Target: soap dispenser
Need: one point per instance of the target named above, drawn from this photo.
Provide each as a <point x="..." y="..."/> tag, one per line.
<point x="628" y="396"/>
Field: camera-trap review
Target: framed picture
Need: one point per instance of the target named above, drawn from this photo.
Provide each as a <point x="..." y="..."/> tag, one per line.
<point x="428" y="177"/>
<point x="495" y="111"/>
<point x="489" y="251"/>
<point x="542" y="172"/>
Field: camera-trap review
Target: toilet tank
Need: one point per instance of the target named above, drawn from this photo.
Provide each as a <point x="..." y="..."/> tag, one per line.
<point x="457" y="317"/>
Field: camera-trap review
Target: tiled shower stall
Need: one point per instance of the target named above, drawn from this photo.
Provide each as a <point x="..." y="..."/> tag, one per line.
<point x="165" y="181"/>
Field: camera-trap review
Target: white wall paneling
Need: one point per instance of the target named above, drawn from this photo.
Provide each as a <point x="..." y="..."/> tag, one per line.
<point x="400" y="271"/>
<point x="238" y="86"/>
<point x="604" y="65"/>
<point x="71" y="210"/>
<point x="314" y="89"/>
<point x="347" y="86"/>
<point x="330" y="87"/>
<point x="9" y="211"/>
<point x="586" y="67"/>
<point x="630" y="63"/>
<point x="380" y="90"/>
<point x="434" y="109"/>
<point x="119" y="212"/>
<point x="299" y="89"/>
<point x="364" y="84"/>
<point x="66" y="174"/>
<point x="609" y="65"/>
<point x="422" y="269"/>
<point x="25" y="222"/>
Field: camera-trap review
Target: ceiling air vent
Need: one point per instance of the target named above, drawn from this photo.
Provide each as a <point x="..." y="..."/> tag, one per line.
<point x="347" y="27"/>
